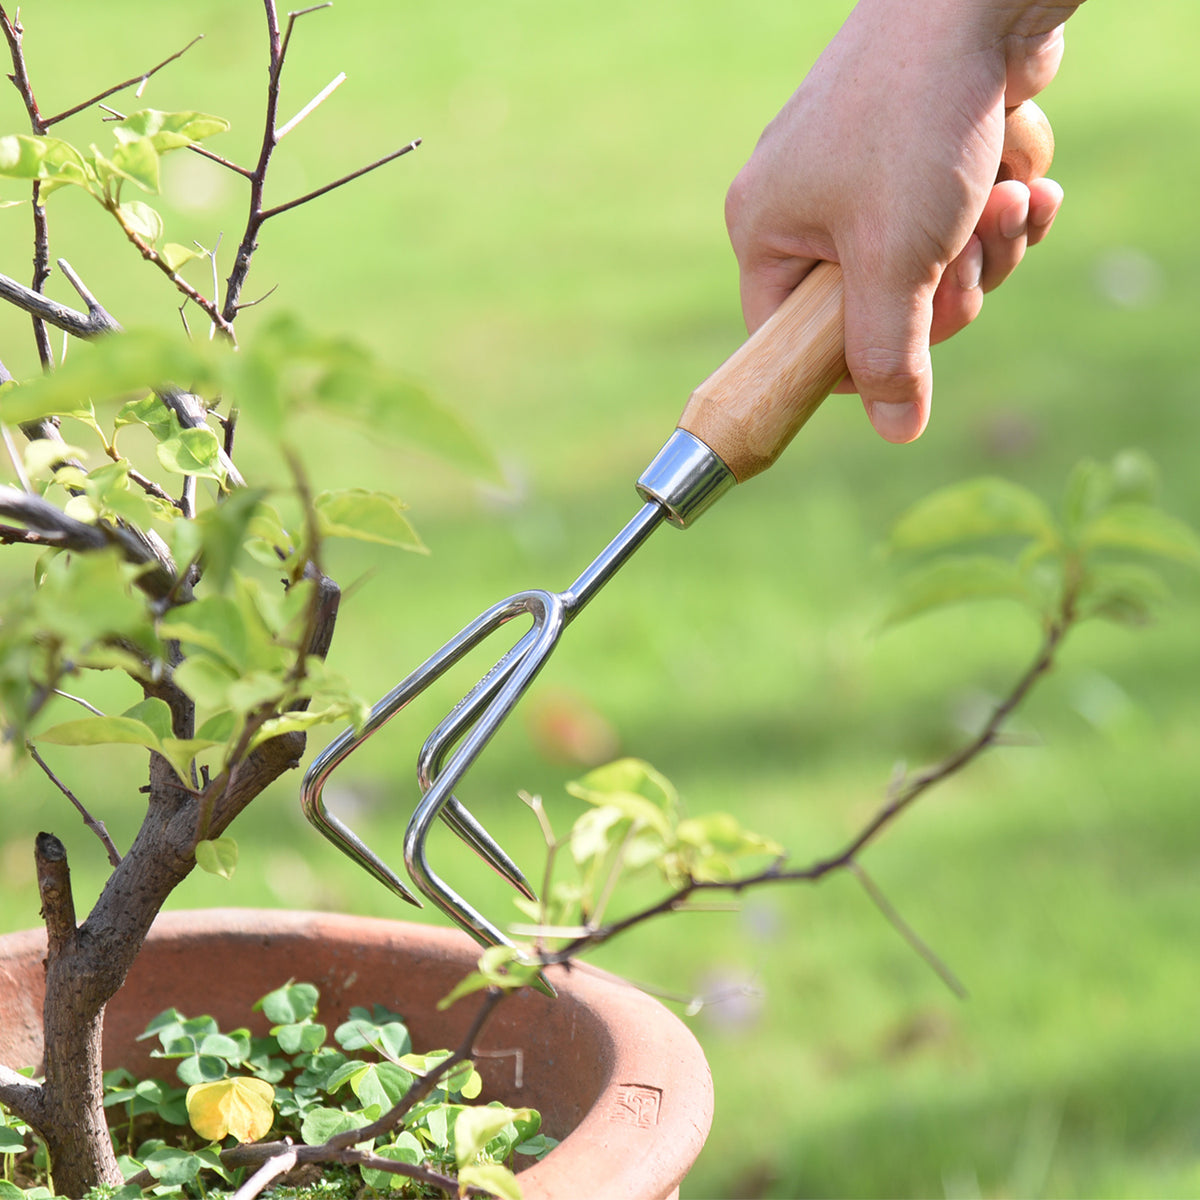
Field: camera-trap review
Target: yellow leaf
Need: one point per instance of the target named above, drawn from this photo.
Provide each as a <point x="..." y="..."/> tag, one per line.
<point x="241" y="1106"/>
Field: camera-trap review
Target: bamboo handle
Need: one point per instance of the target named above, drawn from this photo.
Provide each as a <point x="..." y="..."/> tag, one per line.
<point x="752" y="406"/>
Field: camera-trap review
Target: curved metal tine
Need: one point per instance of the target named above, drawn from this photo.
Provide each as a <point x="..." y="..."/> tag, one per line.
<point x="447" y="733"/>
<point x="311" y="800"/>
<point x="548" y="625"/>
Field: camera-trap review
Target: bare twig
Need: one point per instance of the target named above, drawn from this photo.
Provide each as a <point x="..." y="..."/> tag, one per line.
<point x="139" y="80"/>
<point x="94" y="824"/>
<point x="258" y="1183"/>
<point x="15" y="458"/>
<point x="268" y="213"/>
<point x="319" y="99"/>
<point x="907" y="932"/>
<point x="13" y="34"/>
<point x="81" y="701"/>
<point x="41" y="307"/>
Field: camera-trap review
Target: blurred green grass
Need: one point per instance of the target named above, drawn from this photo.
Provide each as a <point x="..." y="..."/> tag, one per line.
<point x="552" y="263"/>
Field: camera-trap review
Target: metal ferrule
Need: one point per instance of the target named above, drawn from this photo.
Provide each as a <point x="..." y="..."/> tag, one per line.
<point x="686" y="477"/>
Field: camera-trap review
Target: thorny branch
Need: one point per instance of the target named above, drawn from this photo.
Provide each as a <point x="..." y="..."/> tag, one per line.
<point x="259" y="213"/>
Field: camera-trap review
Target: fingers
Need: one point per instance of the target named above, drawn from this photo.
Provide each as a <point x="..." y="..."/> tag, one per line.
<point x="1032" y="63"/>
<point x="1014" y="218"/>
<point x="887" y="353"/>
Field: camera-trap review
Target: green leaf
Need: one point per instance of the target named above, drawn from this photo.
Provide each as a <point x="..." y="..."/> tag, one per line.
<point x="290" y="1004"/>
<point x="217" y="856"/>
<point x="476" y="1127"/>
<point x="499" y="966"/>
<point x="215" y="624"/>
<point x="207" y="681"/>
<point x="11" y="1142"/>
<point x="1143" y="528"/>
<point x="380" y="1030"/>
<point x="981" y="508"/>
<point x="303" y="1037"/>
<point x="175" y="256"/>
<point x="168" y="130"/>
<point x="711" y="846"/>
<point x="173" y="1168"/>
<point x="55" y="162"/>
<point x="193" y="452"/>
<point x="114" y="366"/>
<point x="380" y="1084"/>
<point x="493" y="1178"/>
<point x="142" y="220"/>
<point x="320" y="1124"/>
<point x="954" y="581"/>
<point x="150" y="411"/>
<point x="136" y="161"/>
<point x="365" y="515"/>
<point x="1124" y="593"/>
<point x="405" y="1149"/>
<point x="100" y="731"/>
<point x="634" y="788"/>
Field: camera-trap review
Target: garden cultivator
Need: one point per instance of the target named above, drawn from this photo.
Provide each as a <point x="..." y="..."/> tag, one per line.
<point x="735" y="425"/>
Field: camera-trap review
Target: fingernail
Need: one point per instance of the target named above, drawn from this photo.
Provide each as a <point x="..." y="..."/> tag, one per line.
<point x="1014" y="219"/>
<point x="970" y="265"/>
<point x="896" y="422"/>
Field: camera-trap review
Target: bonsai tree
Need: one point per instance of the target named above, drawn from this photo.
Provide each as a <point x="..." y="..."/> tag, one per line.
<point x="157" y="578"/>
<point x="155" y="553"/>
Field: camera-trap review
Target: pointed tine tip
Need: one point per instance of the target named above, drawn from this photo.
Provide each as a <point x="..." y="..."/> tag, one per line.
<point x="470" y="831"/>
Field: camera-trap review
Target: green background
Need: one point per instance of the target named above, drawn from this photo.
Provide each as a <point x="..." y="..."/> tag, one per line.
<point x="552" y="263"/>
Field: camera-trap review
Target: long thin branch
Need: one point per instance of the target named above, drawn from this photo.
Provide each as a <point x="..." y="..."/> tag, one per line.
<point x="119" y="87"/>
<point x="904" y="797"/>
<point x="93" y="823"/>
<point x="14" y="35"/>
<point x="268" y="213"/>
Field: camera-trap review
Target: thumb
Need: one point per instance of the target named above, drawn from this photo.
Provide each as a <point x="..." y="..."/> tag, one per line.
<point x="887" y="352"/>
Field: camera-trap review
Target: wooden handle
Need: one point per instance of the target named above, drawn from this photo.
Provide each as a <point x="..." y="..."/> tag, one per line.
<point x="752" y="406"/>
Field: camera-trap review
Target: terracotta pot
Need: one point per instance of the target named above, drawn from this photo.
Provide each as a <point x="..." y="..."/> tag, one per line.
<point x="615" y="1075"/>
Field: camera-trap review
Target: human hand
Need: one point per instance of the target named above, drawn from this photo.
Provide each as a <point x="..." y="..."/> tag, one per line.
<point x="885" y="160"/>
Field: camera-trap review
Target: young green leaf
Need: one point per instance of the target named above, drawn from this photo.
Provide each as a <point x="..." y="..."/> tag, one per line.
<point x="290" y="1004"/>
<point x="142" y="220"/>
<point x="405" y="1149"/>
<point x="193" y="452"/>
<point x="493" y="1178"/>
<point x="366" y="516"/>
<point x="320" y="1124"/>
<point x="217" y="856"/>
<point x="168" y="130"/>
<point x="175" y="256"/>
<point x="1145" y="529"/>
<point x="981" y="508"/>
<point x="954" y="580"/>
<point x="476" y="1127"/>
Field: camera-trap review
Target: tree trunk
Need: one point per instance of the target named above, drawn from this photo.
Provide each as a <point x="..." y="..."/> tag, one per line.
<point x="72" y="1111"/>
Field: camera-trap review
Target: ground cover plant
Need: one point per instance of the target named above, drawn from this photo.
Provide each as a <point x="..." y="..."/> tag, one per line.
<point x="1049" y="903"/>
